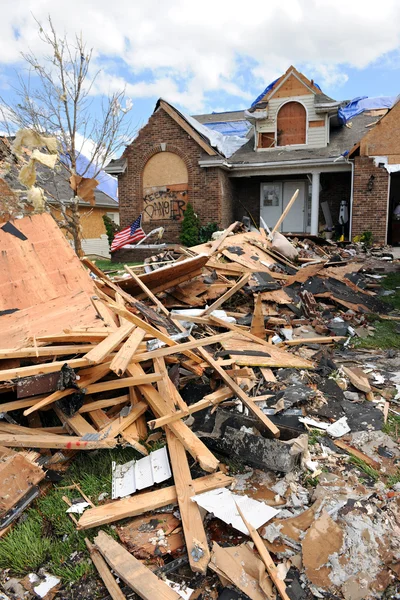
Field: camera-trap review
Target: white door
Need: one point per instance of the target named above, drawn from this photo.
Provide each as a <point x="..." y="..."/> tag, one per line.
<point x="294" y="222"/>
<point x="275" y="196"/>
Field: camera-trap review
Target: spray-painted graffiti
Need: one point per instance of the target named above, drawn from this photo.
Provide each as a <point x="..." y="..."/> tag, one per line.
<point x="164" y="205"/>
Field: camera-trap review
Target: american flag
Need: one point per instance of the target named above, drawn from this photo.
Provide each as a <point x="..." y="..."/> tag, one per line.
<point x="129" y="235"/>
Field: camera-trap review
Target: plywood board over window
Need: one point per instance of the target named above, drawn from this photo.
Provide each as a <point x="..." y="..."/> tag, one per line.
<point x="266" y="140"/>
<point x="291" y="124"/>
<point x="165" y="188"/>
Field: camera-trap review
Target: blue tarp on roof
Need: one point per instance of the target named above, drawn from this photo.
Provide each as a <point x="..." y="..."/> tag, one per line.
<point x="261" y="96"/>
<point x="107" y="183"/>
<point x="240" y="128"/>
<point x="358" y="105"/>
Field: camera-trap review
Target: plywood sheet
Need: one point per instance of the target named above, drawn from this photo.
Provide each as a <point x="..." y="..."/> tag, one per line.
<point x="39" y="268"/>
<point x="277" y="358"/>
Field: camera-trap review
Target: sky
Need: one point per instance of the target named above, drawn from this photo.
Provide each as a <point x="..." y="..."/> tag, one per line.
<point x="213" y="55"/>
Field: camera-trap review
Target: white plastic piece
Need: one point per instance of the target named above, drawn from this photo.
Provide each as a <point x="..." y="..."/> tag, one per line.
<point x="49" y="583"/>
<point x="339" y="428"/>
<point x="222" y="503"/>
<point x="78" y="508"/>
<point x="139" y="474"/>
<point x="184" y="592"/>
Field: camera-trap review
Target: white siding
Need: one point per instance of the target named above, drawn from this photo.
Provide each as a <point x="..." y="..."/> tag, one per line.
<point x="97" y="246"/>
<point x="316" y="136"/>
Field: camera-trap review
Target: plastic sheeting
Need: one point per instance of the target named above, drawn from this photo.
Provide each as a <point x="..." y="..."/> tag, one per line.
<point x="240" y="128"/>
<point x="267" y="89"/>
<point x="358" y="105"/>
<point x="107" y="183"/>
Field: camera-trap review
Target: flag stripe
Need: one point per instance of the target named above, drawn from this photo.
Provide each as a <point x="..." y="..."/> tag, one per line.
<point x="128" y="235"/>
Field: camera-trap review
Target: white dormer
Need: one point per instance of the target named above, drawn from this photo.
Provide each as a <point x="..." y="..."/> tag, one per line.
<point x="286" y="115"/>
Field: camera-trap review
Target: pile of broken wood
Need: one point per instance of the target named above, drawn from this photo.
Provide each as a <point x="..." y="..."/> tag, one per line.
<point x="222" y="319"/>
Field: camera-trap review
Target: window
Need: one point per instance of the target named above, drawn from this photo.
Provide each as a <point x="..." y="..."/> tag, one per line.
<point x="291" y="124"/>
<point x="114" y="216"/>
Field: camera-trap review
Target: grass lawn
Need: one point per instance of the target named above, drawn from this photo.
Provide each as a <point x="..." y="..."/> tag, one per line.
<point x="386" y="335"/>
<point x="106" y="265"/>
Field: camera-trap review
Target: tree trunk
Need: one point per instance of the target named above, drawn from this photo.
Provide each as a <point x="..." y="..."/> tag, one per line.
<point x="77" y="228"/>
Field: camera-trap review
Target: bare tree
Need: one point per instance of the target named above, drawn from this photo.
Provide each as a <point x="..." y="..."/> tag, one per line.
<point x="54" y="98"/>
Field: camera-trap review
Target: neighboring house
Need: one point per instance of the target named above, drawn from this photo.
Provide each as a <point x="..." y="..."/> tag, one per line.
<point x="232" y="164"/>
<point x="55" y="184"/>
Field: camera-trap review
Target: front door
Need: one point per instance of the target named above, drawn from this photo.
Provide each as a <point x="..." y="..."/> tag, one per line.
<point x="275" y="197"/>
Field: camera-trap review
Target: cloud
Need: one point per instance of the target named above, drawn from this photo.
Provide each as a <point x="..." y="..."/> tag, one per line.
<point x="189" y="52"/>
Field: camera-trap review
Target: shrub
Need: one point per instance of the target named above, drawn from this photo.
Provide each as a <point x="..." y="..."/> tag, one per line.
<point x="189" y="235"/>
<point x="206" y="231"/>
<point x="111" y="228"/>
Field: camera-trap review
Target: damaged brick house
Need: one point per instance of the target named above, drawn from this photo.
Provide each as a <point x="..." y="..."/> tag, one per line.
<point x="251" y="162"/>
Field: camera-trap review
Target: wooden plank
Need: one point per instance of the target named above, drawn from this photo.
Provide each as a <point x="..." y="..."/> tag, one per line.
<point x="104" y="572"/>
<point x="45" y="351"/>
<point x="266" y="557"/>
<point x="63" y="442"/>
<point x="50" y="367"/>
<point x="147" y="291"/>
<point x="193" y="529"/>
<point x="77" y="423"/>
<point x="132" y="572"/>
<point x="181" y="348"/>
<point x="238" y="286"/>
<point x="357" y="453"/>
<point x="120" y="423"/>
<point x="217" y="243"/>
<point x="103" y="403"/>
<point x="76" y="337"/>
<point x="193" y="445"/>
<point x="104" y="348"/>
<point x="274" y="356"/>
<point x="253" y="408"/>
<point x="267" y="374"/>
<point x="313" y="340"/>
<point x="146" y="502"/>
<point x="123" y="357"/>
<point x="100" y="418"/>
<point x="125" y="382"/>
<point x="241" y="331"/>
<point x="257" y="323"/>
<point x="357" y="378"/>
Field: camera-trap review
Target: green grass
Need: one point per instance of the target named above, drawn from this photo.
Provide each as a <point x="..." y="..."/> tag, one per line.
<point x="46" y="537"/>
<point x="391" y="282"/>
<point x="372" y="473"/>
<point x="107" y="265"/>
<point x="392" y="426"/>
<point x="393" y="479"/>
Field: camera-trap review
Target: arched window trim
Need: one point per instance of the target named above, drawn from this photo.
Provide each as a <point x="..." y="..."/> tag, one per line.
<point x="276" y="124"/>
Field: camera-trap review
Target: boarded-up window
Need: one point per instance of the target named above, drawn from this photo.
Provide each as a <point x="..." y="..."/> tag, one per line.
<point x="165" y="188"/>
<point x="266" y="140"/>
<point x="291" y="124"/>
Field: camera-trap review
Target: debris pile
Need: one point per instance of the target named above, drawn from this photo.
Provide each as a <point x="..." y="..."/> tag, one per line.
<point x="236" y="352"/>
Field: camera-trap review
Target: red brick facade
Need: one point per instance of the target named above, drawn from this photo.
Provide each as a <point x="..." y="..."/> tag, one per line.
<point x="370" y="199"/>
<point x="209" y="190"/>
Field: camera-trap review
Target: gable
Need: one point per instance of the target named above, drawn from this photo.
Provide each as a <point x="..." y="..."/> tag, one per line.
<point x="384" y="138"/>
<point x="291" y="87"/>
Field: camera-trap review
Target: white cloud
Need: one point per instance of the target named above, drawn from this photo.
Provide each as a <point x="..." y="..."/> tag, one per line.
<point x="184" y="50"/>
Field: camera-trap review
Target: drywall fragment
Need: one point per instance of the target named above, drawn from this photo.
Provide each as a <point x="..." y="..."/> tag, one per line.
<point x="339" y="428"/>
<point x="323" y="539"/>
<point x="138" y="474"/>
<point x="222" y="503"/>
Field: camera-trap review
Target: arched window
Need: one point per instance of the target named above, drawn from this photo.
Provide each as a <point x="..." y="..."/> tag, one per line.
<point x="291" y="124"/>
<point x="165" y="188"/>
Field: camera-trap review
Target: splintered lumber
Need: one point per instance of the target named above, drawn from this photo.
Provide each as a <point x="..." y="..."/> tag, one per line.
<point x="254" y="338"/>
<point x="313" y="340"/>
<point x="124" y="356"/>
<point x="146" y="502"/>
<point x="180" y="348"/>
<point x="193" y="529"/>
<point x="247" y="401"/>
<point x="124" y="382"/>
<point x="147" y="291"/>
<point x="44" y="351"/>
<point x="77" y="423"/>
<point x="267" y="374"/>
<point x="104" y="572"/>
<point x="285" y="212"/>
<point x="123" y="312"/>
<point x="357" y="453"/>
<point x="84" y="337"/>
<point x="160" y="408"/>
<point x="87" y="377"/>
<point x="217" y="243"/>
<point x="63" y="442"/>
<point x="213" y="399"/>
<point x="103" y="403"/>
<point x="120" y="423"/>
<point x="238" y="286"/>
<point x="257" y="323"/>
<point x="106" y="346"/>
<point x="50" y="367"/>
<point x="265" y="556"/>
<point x="357" y="378"/>
<point x="249" y="354"/>
<point x="143" y="581"/>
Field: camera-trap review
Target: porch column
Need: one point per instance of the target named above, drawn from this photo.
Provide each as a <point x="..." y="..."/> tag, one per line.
<point x="315" y="202"/>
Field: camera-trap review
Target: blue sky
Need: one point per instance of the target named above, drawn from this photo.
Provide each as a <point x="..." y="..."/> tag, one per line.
<point x="215" y="54"/>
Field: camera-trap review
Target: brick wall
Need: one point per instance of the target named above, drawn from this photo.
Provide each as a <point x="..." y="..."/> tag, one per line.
<point x="370" y="207"/>
<point x="206" y="187"/>
<point x="9" y="203"/>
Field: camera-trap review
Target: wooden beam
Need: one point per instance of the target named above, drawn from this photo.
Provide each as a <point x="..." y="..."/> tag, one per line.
<point x="265" y="556"/>
<point x="147" y="291"/>
<point x="104" y="572"/>
<point x="125" y="382"/>
<point x="285" y="212"/>
<point x="120" y="423"/>
<point x="63" y="442"/>
<point x="45" y="351"/>
<point x="240" y="331"/>
<point x="146" y="502"/>
<point x="76" y="423"/>
<point x="247" y="401"/>
<point x="257" y="323"/>
<point x="105" y="347"/>
<point x="103" y="403"/>
<point x="313" y="340"/>
<point x="217" y="243"/>
<point x="51" y="367"/>
<point x="75" y="337"/>
<point x="124" y="356"/>
<point x="238" y="286"/>
<point x="143" y="581"/>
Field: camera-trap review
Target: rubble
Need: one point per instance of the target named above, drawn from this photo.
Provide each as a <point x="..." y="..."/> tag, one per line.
<point x="234" y="355"/>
